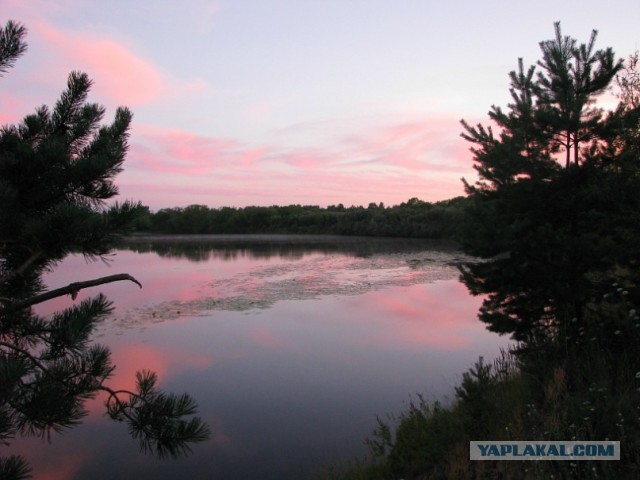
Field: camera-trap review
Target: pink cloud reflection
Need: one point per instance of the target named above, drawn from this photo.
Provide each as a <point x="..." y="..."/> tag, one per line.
<point x="266" y="337"/>
<point x="64" y="467"/>
<point x="132" y="358"/>
<point x="50" y="461"/>
<point x="443" y="316"/>
<point x="165" y="362"/>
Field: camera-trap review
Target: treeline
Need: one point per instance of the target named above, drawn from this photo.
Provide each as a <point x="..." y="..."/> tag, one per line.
<point x="414" y="218"/>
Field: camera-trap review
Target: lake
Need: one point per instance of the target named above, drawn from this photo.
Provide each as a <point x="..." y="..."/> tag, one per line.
<point x="291" y="346"/>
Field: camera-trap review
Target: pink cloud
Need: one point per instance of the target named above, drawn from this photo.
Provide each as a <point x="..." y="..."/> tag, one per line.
<point x="278" y="191"/>
<point x="171" y="151"/>
<point x="13" y="109"/>
<point x="238" y="187"/>
<point x="120" y="75"/>
<point x="421" y="157"/>
<point x="424" y="158"/>
<point x="430" y="144"/>
<point x="427" y="145"/>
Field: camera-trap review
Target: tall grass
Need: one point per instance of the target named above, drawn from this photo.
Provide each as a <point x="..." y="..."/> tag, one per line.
<point x="583" y="385"/>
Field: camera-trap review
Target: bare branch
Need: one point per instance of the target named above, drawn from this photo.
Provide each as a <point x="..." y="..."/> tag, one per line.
<point x="71" y="289"/>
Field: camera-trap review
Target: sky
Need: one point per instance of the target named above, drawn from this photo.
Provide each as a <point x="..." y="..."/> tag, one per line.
<point x="278" y="102"/>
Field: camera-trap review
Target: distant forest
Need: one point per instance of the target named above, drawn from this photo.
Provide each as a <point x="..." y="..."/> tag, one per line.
<point x="414" y="218"/>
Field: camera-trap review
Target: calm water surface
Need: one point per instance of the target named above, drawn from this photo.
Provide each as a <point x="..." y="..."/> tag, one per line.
<point x="290" y="345"/>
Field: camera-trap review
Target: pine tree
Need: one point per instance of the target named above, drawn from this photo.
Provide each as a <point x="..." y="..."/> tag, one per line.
<point x="571" y="77"/>
<point x="520" y="150"/>
<point x="558" y="227"/>
<point x="57" y="170"/>
<point x="552" y="234"/>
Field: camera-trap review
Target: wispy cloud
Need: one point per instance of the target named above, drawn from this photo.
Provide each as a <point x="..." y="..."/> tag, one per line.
<point x="320" y="161"/>
<point x="171" y="151"/>
<point x="389" y="164"/>
<point x="121" y="76"/>
<point x="122" y="73"/>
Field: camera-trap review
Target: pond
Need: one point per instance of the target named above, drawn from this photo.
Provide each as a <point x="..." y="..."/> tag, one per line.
<point x="291" y="346"/>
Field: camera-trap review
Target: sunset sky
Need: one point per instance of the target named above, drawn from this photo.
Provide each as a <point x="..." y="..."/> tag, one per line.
<point x="263" y="102"/>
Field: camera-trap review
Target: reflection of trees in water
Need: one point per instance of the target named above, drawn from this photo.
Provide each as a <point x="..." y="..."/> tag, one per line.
<point x="232" y="247"/>
<point x="259" y="284"/>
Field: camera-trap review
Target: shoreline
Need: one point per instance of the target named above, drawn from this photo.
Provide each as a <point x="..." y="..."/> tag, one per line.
<point x="283" y="238"/>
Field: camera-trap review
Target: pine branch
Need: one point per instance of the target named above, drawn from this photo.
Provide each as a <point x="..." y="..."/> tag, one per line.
<point x="12" y="44"/>
<point x="14" y="467"/>
<point x="71" y="289"/>
<point x="28" y="355"/>
<point x="27" y="263"/>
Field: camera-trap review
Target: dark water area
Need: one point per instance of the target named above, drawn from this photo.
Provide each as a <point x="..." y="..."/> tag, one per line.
<point x="203" y="247"/>
<point x="290" y="345"/>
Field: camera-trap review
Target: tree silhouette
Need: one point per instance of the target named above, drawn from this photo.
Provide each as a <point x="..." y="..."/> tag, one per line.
<point x="57" y="170"/>
<point x="572" y="75"/>
<point x="552" y="235"/>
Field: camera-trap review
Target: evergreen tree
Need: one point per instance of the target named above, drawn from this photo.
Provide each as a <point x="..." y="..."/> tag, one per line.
<point x="571" y="77"/>
<point x="552" y="234"/>
<point x="520" y="150"/>
<point x="57" y="170"/>
<point x="556" y="216"/>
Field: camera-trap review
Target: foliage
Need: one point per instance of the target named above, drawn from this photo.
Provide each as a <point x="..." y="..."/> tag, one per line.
<point x="628" y="82"/>
<point x="12" y="44"/>
<point x="152" y="417"/>
<point x="414" y="218"/>
<point x="56" y="173"/>
<point x="549" y="232"/>
<point x="518" y="399"/>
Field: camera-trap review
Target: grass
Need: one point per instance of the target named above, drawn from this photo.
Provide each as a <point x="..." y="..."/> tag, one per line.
<point x="580" y="386"/>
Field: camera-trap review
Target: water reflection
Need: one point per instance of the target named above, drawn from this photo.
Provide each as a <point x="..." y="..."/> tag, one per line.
<point x="288" y="384"/>
<point x="200" y="248"/>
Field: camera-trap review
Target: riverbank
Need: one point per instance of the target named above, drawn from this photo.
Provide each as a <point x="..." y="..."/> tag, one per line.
<point x="586" y="390"/>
